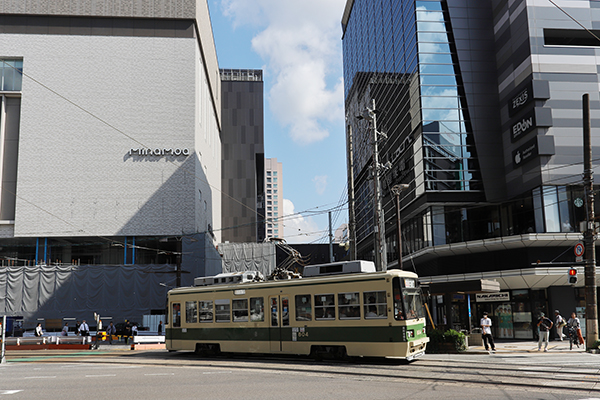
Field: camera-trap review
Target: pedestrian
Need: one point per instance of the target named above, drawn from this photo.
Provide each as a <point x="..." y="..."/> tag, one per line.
<point x="574" y="323"/>
<point x="486" y="333"/>
<point x="134" y="329"/>
<point x="160" y="328"/>
<point x="38" y="330"/>
<point x="559" y="323"/>
<point x="126" y="331"/>
<point x="110" y="331"/>
<point x="544" y="324"/>
<point x="77" y="324"/>
<point x="84" y="329"/>
<point x="65" y="330"/>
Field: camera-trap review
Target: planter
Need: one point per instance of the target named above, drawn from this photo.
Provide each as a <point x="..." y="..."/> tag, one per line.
<point x="475" y="340"/>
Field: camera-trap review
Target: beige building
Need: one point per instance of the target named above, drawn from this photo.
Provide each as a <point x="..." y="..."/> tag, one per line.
<point x="274" y="198"/>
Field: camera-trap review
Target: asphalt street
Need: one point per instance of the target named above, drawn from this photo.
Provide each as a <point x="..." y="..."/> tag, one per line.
<point x="516" y="370"/>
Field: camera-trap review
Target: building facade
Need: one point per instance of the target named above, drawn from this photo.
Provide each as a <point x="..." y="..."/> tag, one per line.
<point x="481" y="104"/>
<point x="243" y="162"/>
<point x="111" y="154"/>
<point x="274" y="198"/>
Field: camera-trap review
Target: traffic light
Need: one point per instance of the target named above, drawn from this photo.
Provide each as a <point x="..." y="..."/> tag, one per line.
<point x="572" y="276"/>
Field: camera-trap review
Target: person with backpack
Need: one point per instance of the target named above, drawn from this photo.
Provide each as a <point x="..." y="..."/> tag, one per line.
<point x="544" y="324"/>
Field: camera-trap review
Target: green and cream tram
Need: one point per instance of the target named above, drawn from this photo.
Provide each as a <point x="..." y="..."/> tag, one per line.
<point x="338" y="309"/>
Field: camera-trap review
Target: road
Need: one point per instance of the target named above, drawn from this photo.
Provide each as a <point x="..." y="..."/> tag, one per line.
<point x="162" y="375"/>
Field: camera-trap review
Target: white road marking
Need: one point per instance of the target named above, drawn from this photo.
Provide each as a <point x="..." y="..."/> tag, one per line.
<point x="9" y="391"/>
<point x="158" y="374"/>
<point x="99" y="376"/>
<point x="39" y="377"/>
<point x="222" y="372"/>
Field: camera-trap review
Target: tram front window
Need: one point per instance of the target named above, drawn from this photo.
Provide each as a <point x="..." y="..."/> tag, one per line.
<point x="407" y="299"/>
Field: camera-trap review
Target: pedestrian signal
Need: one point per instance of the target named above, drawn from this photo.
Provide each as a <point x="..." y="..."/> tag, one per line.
<point x="572" y="276"/>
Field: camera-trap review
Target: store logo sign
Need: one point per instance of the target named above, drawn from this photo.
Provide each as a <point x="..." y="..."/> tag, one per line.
<point x="520" y="100"/>
<point x="525" y="153"/>
<point x="490" y="297"/>
<point x="523" y="126"/>
<point x="159" y="152"/>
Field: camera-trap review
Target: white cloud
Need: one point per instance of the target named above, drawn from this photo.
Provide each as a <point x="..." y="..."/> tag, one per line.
<point x="300" y="42"/>
<point x="320" y="183"/>
<point x="298" y="229"/>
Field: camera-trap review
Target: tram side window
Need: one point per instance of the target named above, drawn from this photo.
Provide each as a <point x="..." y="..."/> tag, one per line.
<point x="222" y="310"/>
<point x="349" y="305"/>
<point x="176" y="315"/>
<point x="240" y="310"/>
<point x="257" y="309"/>
<point x="324" y="306"/>
<point x="375" y="304"/>
<point x="206" y="311"/>
<point x="303" y="308"/>
<point x="191" y="312"/>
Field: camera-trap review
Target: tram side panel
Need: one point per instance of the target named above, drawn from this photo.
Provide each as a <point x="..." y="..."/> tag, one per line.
<point x="357" y="315"/>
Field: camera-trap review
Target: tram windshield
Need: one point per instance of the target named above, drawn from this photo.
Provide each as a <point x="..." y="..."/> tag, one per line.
<point x="407" y="299"/>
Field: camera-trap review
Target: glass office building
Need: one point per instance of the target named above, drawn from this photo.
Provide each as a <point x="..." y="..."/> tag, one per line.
<point x="480" y="101"/>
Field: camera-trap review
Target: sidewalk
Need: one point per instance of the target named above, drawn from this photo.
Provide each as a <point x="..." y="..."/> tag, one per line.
<point x="528" y="346"/>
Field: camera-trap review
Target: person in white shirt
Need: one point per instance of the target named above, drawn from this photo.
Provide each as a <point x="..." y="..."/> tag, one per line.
<point x="559" y="324"/>
<point x="38" y="330"/>
<point x="486" y="332"/>
<point x="84" y="329"/>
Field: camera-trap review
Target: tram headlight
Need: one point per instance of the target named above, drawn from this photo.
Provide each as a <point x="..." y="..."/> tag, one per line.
<point x="410" y="334"/>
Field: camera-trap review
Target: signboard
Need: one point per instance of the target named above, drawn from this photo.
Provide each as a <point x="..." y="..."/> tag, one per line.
<point x="490" y="297"/>
<point x="525" y="153"/>
<point x="522" y="98"/>
<point x="523" y="126"/>
<point x="579" y="249"/>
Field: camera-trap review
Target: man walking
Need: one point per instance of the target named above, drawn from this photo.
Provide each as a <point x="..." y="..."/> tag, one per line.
<point x="545" y="324"/>
<point x="84" y="331"/>
<point x="559" y="323"/>
<point x="486" y="332"/>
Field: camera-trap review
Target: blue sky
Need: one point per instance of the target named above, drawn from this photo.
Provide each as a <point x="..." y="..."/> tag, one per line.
<point x="297" y="44"/>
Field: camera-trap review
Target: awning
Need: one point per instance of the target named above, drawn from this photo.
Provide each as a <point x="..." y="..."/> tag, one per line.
<point x="472" y="286"/>
<point x="527" y="278"/>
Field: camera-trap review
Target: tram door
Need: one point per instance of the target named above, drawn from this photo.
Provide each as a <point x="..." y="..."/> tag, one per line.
<point x="280" y="318"/>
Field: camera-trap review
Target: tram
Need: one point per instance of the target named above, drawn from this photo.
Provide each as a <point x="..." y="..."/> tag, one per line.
<point x="340" y="309"/>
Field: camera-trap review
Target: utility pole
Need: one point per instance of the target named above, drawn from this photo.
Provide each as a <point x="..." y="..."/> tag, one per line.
<point x="351" y="215"/>
<point x="330" y="241"/>
<point x="591" y="298"/>
<point x="379" y="222"/>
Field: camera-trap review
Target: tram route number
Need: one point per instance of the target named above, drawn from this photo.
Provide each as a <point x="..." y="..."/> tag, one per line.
<point x="298" y="333"/>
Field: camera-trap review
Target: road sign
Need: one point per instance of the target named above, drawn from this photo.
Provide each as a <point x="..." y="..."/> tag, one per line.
<point x="579" y="249"/>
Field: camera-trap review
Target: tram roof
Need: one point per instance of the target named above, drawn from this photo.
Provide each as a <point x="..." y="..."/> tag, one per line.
<point x="296" y="282"/>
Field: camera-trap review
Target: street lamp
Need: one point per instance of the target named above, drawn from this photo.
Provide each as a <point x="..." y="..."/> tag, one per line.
<point x="396" y="190"/>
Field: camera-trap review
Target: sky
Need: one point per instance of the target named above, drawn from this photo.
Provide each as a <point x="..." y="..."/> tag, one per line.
<point x="297" y="44"/>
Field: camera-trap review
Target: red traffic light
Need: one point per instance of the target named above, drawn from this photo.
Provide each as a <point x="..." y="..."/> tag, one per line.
<point x="572" y="272"/>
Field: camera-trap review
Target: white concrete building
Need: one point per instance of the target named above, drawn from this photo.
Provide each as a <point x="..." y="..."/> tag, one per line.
<point x="110" y="145"/>
<point x="274" y="198"/>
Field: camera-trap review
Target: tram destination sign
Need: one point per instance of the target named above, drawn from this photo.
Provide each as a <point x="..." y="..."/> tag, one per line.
<point x="490" y="297"/>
